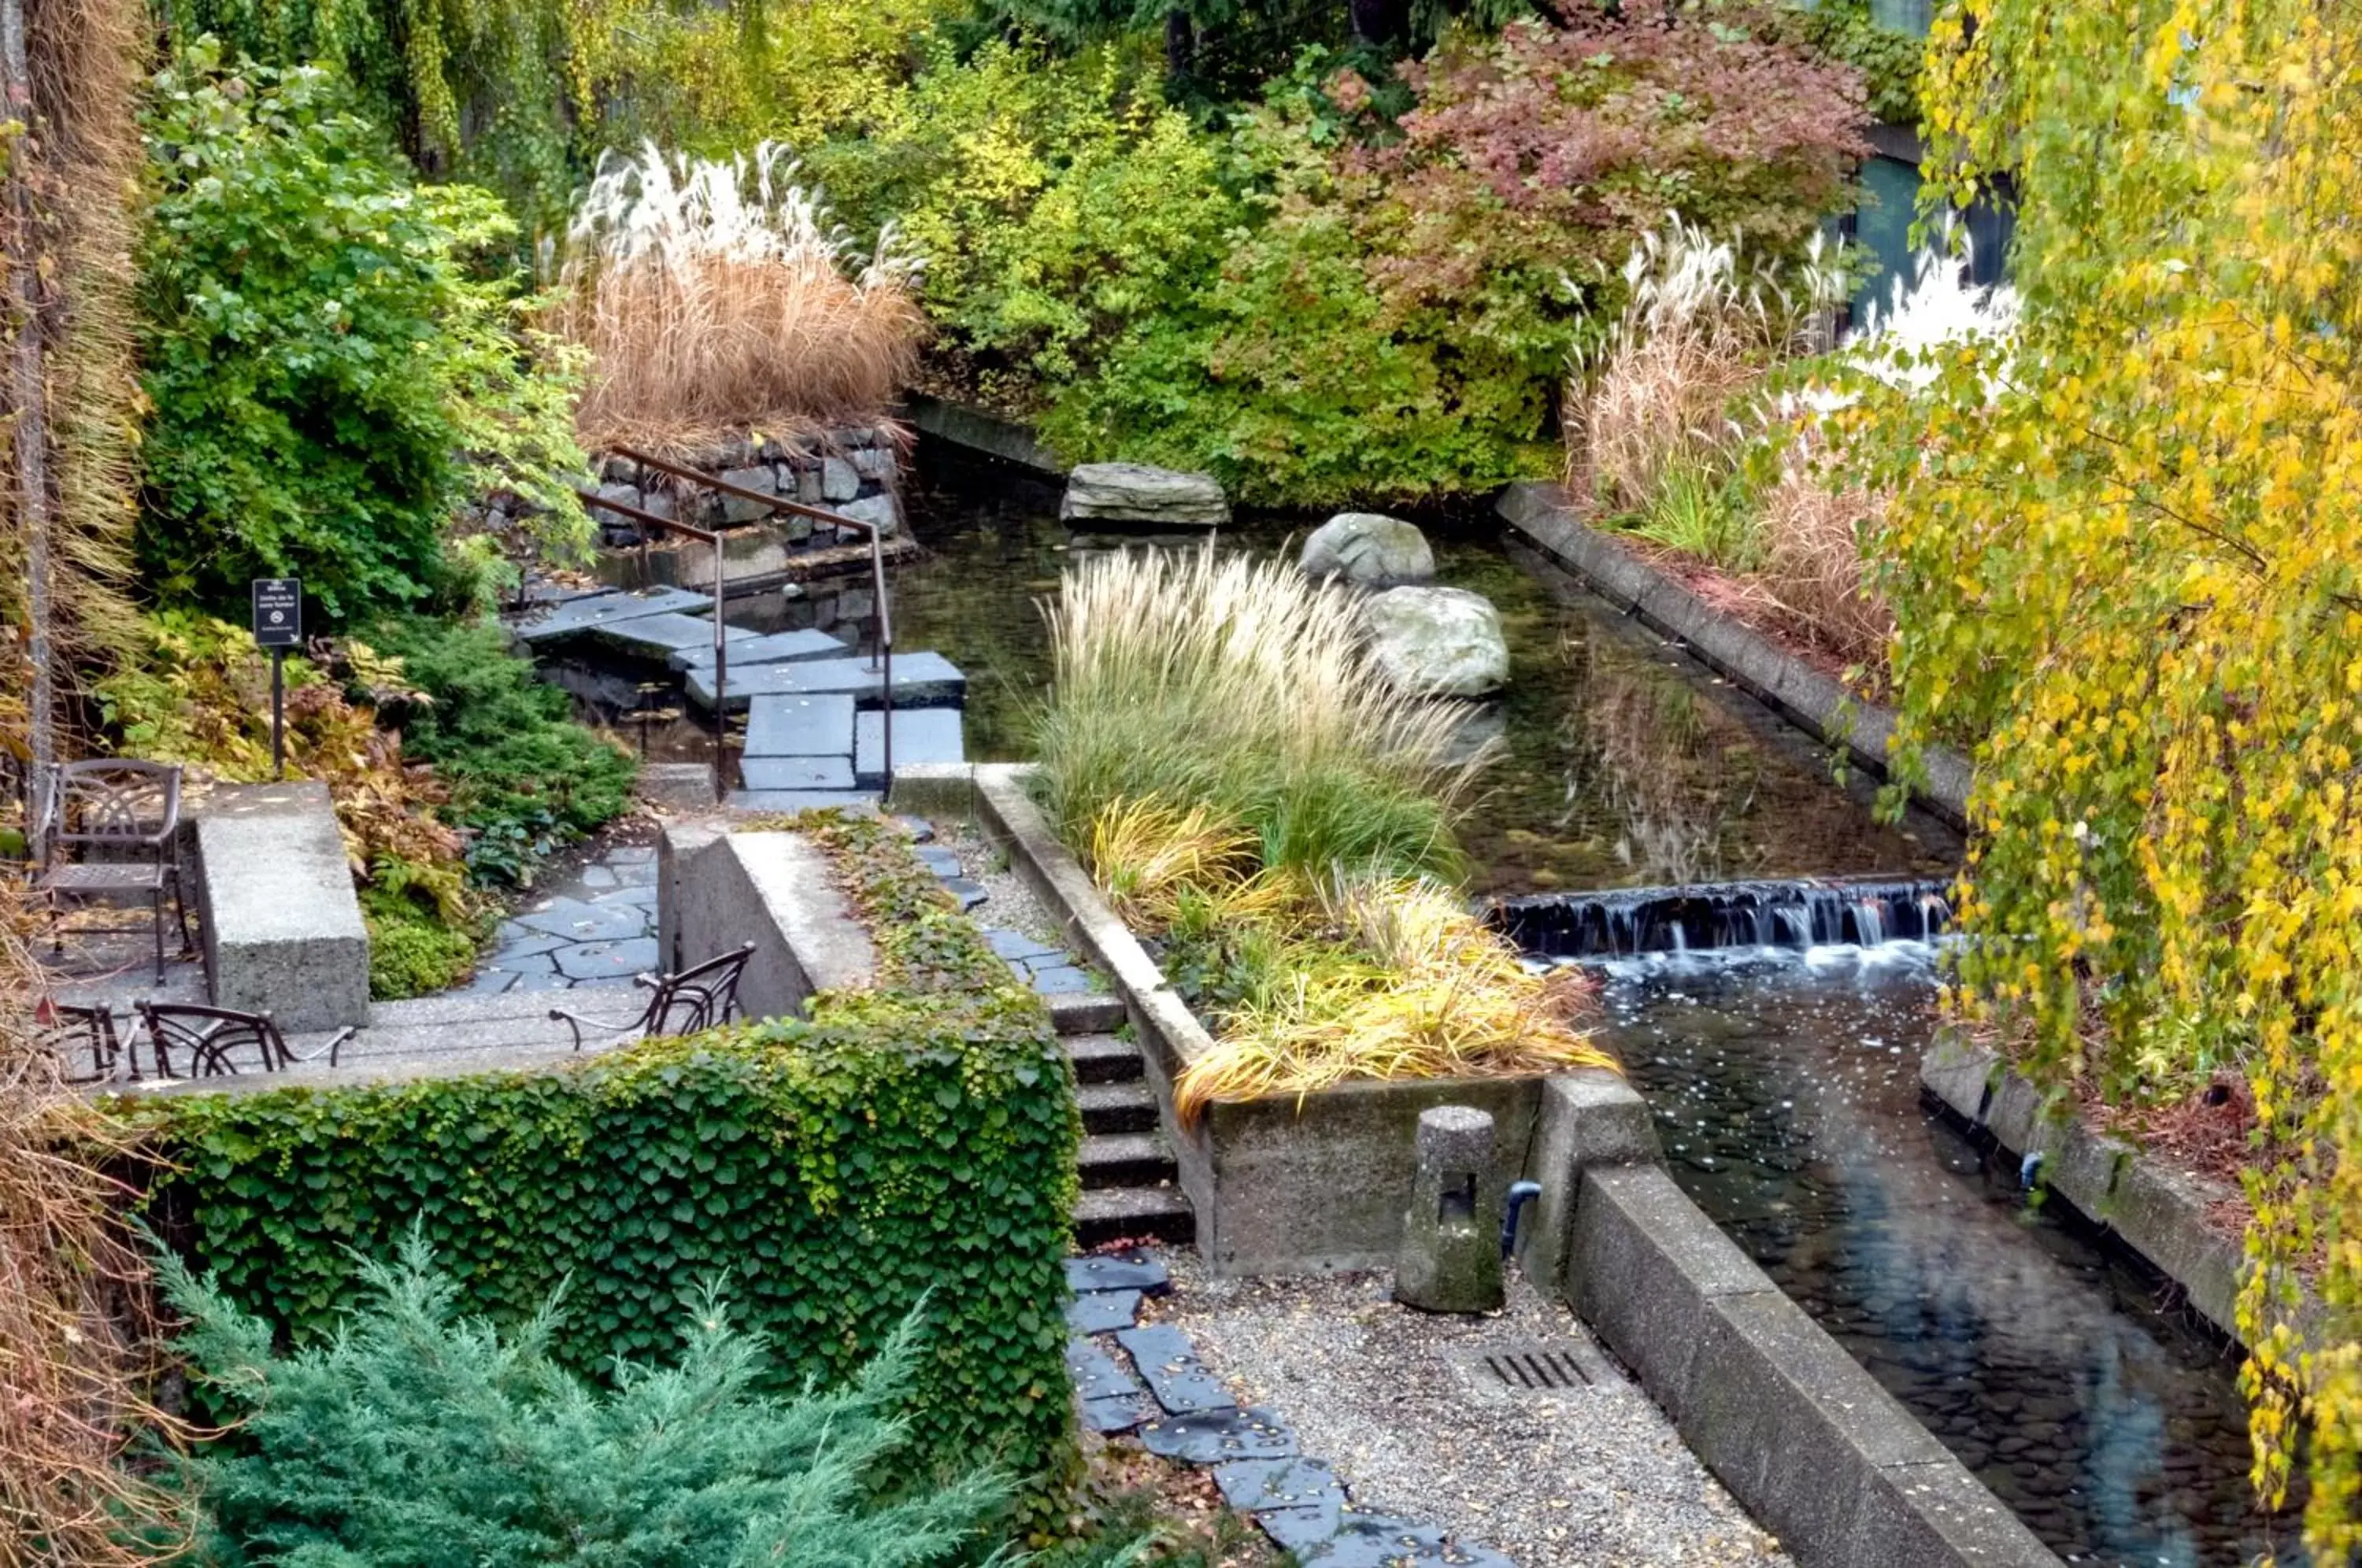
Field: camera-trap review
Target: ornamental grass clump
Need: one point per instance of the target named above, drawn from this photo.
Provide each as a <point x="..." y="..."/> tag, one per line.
<point x="717" y="295"/>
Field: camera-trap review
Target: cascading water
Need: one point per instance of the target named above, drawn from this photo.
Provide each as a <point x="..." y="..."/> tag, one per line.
<point x="1629" y="922"/>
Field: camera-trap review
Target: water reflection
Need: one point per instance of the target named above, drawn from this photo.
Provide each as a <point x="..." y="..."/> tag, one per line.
<point x="1787" y="1094"/>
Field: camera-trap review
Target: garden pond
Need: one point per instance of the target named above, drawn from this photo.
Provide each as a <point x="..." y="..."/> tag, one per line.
<point x="1784" y="1079"/>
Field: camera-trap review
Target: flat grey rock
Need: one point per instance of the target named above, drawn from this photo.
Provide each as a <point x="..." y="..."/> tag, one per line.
<point x="1212" y="1437"/>
<point x="1179" y="1380"/>
<point x="1369" y="548"/>
<point x="942" y="862"/>
<point x="662" y="638"/>
<point x="970" y="894"/>
<point x="513" y="941"/>
<point x="801" y="800"/>
<point x="775" y="647"/>
<point x="1061" y="980"/>
<point x="1136" y="493"/>
<point x="799" y="726"/>
<point x="1118" y="1270"/>
<point x="581" y="921"/>
<point x="921" y="679"/>
<point x="774" y="773"/>
<point x="1098" y="1374"/>
<point x="1102" y="1311"/>
<point x="599" y="878"/>
<point x="632" y="855"/>
<point x="577" y="615"/>
<point x="1118" y="1413"/>
<point x="921" y="735"/>
<point x="1257" y="1484"/>
<point x="1017" y="947"/>
<point x="919" y="830"/>
<point x="526" y="963"/>
<point x="607" y="960"/>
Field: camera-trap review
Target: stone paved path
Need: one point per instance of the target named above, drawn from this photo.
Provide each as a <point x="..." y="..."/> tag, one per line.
<point x="1146" y="1380"/>
<point x="599" y="923"/>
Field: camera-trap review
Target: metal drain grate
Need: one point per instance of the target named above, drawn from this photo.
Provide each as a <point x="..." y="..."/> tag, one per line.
<point x="1536" y="1371"/>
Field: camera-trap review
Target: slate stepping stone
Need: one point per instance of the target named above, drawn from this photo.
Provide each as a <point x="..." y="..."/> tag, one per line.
<point x="1097" y="1375"/>
<point x="919" y="829"/>
<point x="970" y="894"/>
<point x="796" y="772"/>
<point x="1018" y="947"/>
<point x="1063" y="980"/>
<point x="1118" y="1270"/>
<point x="1108" y="1417"/>
<point x="514" y="941"/>
<point x="1298" y="1502"/>
<point x="777" y="648"/>
<point x="921" y="734"/>
<point x="551" y="982"/>
<point x="527" y="962"/>
<point x="664" y="638"/>
<point x="579" y="921"/>
<point x="607" y="960"/>
<point x="801" y="800"/>
<point x="599" y="878"/>
<point x="577" y="615"/>
<point x="1103" y="1311"/>
<point x="942" y="862"/>
<point x="632" y="855"/>
<point x="799" y="726"/>
<point x="921" y="679"/>
<point x="489" y="982"/>
<point x="1212" y="1437"/>
<point x="1169" y="1361"/>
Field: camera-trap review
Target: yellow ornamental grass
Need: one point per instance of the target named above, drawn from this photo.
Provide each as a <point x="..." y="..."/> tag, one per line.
<point x="1427" y="992"/>
<point x="2125" y="559"/>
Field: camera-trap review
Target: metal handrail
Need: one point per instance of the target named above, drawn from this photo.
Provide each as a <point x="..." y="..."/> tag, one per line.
<point x="881" y="655"/>
<point x="642" y="521"/>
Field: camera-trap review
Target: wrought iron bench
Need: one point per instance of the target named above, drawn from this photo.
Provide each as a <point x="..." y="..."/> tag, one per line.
<point x="210" y="1039"/>
<point x="68" y="1026"/>
<point x="107" y="828"/>
<point x="684" y="1003"/>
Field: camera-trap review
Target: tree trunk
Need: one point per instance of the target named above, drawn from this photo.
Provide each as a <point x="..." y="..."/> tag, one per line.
<point x="1180" y="44"/>
<point x="27" y="391"/>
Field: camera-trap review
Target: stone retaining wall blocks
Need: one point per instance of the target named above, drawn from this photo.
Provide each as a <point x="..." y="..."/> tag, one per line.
<point x="283" y="926"/>
<point x="717" y="890"/>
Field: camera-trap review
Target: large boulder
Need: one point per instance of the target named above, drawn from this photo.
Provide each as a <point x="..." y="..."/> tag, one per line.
<point x="1138" y="495"/>
<point x="1366" y="547"/>
<point x="1438" y="642"/>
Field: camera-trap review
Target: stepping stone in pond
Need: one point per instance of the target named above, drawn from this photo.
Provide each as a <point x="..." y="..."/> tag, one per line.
<point x="1064" y="980"/>
<point x="1096" y="1373"/>
<point x="921" y="735"/>
<point x="1018" y="947"/>
<point x="921" y="679"/>
<point x="581" y="921"/>
<point x="801" y="800"/>
<point x="663" y="639"/>
<point x="607" y="960"/>
<point x="970" y="894"/>
<point x="799" y="726"/>
<point x="797" y="772"/>
<point x="1118" y="1270"/>
<point x="775" y="647"/>
<point x="577" y="615"/>
<point x="1213" y="1437"/>
<point x="1103" y="1311"/>
<point x="1179" y="1380"/>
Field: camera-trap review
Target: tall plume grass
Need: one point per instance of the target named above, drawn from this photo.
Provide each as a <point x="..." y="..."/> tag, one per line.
<point x="1662" y="392"/>
<point x="1239" y="685"/>
<point x="717" y="295"/>
<point x="1812" y="532"/>
<point x="73" y="1297"/>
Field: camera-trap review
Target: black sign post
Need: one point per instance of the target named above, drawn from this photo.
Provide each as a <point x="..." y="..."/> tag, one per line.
<point x="278" y="626"/>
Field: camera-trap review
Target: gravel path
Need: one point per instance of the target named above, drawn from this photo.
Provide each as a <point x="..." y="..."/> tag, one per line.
<point x="1402" y="1404"/>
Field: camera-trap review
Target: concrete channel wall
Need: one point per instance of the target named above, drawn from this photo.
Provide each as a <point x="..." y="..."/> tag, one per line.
<point x="1813" y="701"/>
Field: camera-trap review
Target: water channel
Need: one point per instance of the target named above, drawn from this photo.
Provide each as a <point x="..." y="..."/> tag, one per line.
<point x="1784" y="1080"/>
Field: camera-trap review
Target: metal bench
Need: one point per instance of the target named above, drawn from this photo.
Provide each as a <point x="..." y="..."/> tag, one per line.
<point x="107" y="828"/>
<point x="684" y="1003"/>
<point x="212" y="1039"/>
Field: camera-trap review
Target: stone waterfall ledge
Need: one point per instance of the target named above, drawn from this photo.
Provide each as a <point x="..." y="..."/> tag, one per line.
<point x="979" y="431"/>
<point x="2157" y="1212"/>
<point x="283" y="926"/>
<point x="1805" y="697"/>
<point x="1800" y="1432"/>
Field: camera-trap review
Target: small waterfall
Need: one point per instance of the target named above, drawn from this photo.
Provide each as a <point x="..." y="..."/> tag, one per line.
<point x="1628" y="921"/>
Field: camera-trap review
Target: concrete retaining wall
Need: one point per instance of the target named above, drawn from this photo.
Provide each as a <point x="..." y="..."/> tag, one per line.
<point x="716" y="888"/>
<point x="1813" y="701"/>
<point x="1803" y="1436"/>
<point x="283" y="930"/>
<point x="979" y="431"/>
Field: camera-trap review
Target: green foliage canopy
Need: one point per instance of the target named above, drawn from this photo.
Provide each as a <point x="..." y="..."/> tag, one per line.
<point x="329" y="379"/>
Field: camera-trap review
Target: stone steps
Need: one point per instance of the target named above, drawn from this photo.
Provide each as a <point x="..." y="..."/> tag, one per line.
<point x="799" y="726"/>
<point x="1119" y="1107"/>
<point x="1126" y="1159"/>
<point x="591" y="611"/>
<point x="1114" y="1213"/>
<point x="771" y="648"/>
<point x="921" y="734"/>
<point x="1104" y="1059"/>
<point x="921" y="679"/>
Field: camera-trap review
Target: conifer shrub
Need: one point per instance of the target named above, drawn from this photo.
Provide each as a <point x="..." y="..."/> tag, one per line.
<point x="915" y="1139"/>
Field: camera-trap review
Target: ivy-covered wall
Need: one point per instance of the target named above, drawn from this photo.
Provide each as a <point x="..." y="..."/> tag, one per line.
<point x="914" y="1140"/>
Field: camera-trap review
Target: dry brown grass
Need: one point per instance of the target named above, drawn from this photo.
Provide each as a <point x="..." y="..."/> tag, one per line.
<point x="715" y="297"/>
<point x="1810" y="580"/>
<point x="73" y="1345"/>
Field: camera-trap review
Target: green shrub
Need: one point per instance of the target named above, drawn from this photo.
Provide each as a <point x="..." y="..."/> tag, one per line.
<point x="524" y="777"/>
<point x="414" y="950"/>
<point x="416" y="1436"/>
<point x="328" y="381"/>
<point x="916" y="1139"/>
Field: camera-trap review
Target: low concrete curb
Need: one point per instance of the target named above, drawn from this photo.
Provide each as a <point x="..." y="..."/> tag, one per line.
<point x="1801" y="1434"/>
<point x="981" y="432"/>
<point x="1806" y="698"/>
<point x="1279" y="1186"/>
<point x="2159" y="1212"/>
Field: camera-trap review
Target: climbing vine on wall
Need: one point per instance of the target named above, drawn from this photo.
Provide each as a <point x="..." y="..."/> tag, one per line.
<point x="2125" y="555"/>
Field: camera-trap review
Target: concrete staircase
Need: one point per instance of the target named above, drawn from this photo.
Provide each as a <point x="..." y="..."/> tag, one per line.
<point x="1131" y="1188"/>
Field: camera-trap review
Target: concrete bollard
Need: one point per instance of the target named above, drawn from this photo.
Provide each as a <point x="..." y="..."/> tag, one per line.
<point x="1451" y="1258"/>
